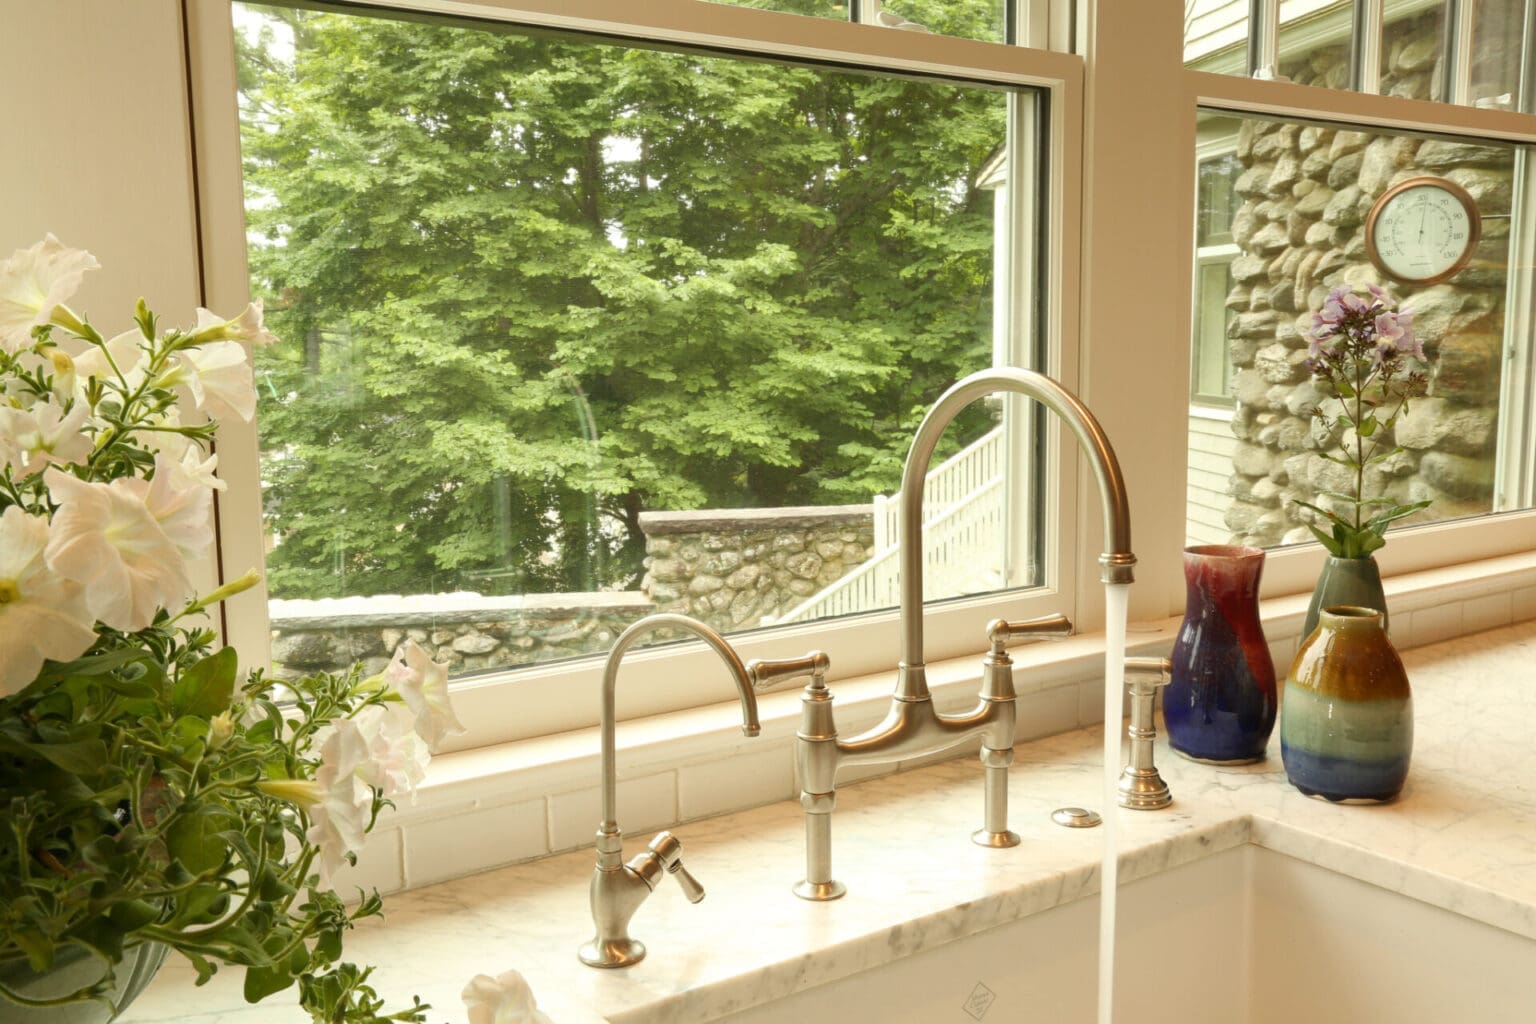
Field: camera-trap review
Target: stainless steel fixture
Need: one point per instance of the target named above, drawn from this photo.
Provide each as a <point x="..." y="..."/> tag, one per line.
<point x="618" y="888"/>
<point x="1141" y="787"/>
<point x="912" y="727"/>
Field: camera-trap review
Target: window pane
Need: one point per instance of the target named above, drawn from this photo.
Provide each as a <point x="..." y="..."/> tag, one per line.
<point x="968" y="19"/>
<point x="1305" y="193"/>
<point x="814" y="8"/>
<point x="1315" y="39"/>
<point x="573" y="332"/>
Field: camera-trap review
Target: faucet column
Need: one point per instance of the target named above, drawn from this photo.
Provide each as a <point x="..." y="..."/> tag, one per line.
<point x="816" y="765"/>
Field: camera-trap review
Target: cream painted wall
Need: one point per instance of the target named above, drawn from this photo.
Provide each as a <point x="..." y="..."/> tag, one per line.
<point x="94" y="115"/>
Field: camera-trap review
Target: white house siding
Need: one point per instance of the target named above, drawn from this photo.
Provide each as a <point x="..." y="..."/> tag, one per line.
<point x="1211" y="446"/>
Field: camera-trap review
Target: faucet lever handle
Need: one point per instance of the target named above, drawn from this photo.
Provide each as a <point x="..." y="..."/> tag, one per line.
<point x="668" y="849"/>
<point x="764" y="672"/>
<point x="1046" y="627"/>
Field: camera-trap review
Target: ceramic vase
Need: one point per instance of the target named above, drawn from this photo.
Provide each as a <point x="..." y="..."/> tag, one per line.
<point x="73" y="969"/>
<point x="1220" y="705"/>
<point x="1347" y="581"/>
<point x="1347" y="729"/>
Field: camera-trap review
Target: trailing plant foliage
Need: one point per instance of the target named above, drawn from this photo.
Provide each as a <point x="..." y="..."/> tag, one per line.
<point x="148" y="792"/>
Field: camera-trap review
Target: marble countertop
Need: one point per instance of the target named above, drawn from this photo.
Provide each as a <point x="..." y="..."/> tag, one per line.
<point x="1461" y="837"/>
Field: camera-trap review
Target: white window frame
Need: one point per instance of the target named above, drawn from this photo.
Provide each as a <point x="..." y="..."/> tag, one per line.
<point x="542" y="699"/>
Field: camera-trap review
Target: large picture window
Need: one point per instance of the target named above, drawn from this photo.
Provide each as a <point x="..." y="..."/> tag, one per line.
<point x="573" y="331"/>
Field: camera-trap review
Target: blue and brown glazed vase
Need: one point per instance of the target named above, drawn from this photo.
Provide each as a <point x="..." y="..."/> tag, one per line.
<point x="1220" y="704"/>
<point x="1347" y="729"/>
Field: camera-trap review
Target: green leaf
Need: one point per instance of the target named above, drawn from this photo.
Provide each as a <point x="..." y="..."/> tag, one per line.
<point x="261" y="982"/>
<point x="1326" y="540"/>
<point x="192" y="839"/>
<point x="207" y="687"/>
<point x="1345" y="388"/>
<point x="1367" y="426"/>
<point x="80" y="757"/>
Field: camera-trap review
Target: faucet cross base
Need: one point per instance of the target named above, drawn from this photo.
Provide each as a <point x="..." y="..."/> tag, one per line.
<point x="996" y="840"/>
<point x="820" y="892"/>
<point x="612" y="953"/>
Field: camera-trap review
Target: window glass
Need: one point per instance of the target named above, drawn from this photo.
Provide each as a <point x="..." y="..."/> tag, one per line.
<point x="1304" y="194"/>
<point x="1314" y="46"/>
<point x="967" y="19"/>
<point x="813" y="8"/>
<point x="573" y="332"/>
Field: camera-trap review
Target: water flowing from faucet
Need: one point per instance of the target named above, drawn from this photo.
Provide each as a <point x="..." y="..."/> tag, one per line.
<point x="1115" y="614"/>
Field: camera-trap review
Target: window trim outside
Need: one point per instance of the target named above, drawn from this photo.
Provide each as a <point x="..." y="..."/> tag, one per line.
<point x="542" y="699"/>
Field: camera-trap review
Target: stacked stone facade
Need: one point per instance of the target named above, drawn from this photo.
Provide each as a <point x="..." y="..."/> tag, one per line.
<point x="735" y="570"/>
<point x="1306" y="191"/>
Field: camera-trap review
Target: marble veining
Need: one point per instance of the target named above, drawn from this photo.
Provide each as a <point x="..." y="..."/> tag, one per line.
<point x="1462" y="837"/>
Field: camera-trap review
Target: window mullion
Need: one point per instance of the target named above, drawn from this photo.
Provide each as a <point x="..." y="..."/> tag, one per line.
<point x="1457" y="59"/>
<point x="1365" y="46"/>
<point x="1527" y="97"/>
<point x="1263" y="38"/>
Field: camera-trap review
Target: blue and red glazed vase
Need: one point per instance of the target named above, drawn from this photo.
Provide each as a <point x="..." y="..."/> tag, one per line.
<point x="1220" y="705"/>
<point x="1347" y="729"/>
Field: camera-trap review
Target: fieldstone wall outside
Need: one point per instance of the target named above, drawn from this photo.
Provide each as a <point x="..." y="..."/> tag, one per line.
<point x="732" y="569"/>
<point x="469" y="632"/>
<point x="729" y="568"/>
<point x="1306" y="190"/>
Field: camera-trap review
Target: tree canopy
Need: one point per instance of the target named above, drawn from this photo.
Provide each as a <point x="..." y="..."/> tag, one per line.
<point x="529" y="286"/>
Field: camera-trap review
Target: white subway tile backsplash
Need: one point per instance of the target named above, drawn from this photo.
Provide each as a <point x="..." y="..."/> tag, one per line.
<point x="476" y="840"/>
<point x="1430" y="625"/>
<point x="1522" y="604"/>
<point x="1487" y="612"/>
<point x="379" y="866"/>
<point x="644" y="803"/>
<point x="748" y="778"/>
<point x="1047" y="712"/>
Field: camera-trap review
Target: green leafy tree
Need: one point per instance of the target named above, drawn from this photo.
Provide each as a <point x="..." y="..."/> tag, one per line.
<point x="530" y="286"/>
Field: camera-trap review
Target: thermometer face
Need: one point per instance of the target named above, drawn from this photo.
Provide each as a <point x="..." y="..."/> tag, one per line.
<point x="1422" y="231"/>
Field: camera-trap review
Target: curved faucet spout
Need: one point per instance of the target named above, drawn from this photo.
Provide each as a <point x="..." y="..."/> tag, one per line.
<point x="626" y="640"/>
<point x="1117" y="560"/>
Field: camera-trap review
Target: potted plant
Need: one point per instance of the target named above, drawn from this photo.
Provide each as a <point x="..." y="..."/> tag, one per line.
<point x="152" y="798"/>
<point x="1361" y="354"/>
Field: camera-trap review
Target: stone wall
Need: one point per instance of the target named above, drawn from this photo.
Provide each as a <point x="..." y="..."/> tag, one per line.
<point x="469" y="632"/>
<point x="1306" y="190"/>
<point x="733" y="569"/>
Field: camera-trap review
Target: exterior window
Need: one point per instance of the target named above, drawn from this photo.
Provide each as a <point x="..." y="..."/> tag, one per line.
<point x="573" y="332"/>
<point x="965" y="19"/>
<point x="1303" y="194"/>
<point x="1392" y="47"/>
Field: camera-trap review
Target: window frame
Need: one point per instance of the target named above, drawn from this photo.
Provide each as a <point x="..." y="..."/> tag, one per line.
<point x="559" y="696"/>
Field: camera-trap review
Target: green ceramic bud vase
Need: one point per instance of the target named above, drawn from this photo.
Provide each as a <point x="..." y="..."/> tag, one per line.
<point x="1346" y="724"/>
<point x="1351" y="581"/>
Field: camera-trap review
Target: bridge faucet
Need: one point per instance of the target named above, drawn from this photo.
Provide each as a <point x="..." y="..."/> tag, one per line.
<point x="618" y="888"/>
<point x="912" y="727"/>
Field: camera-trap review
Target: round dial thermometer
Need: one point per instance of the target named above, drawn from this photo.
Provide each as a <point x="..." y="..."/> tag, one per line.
<point x="1422" y="230"/>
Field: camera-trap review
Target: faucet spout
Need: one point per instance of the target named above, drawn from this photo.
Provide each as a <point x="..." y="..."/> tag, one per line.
<point x="1117" y="561"/>
<point x="618" y="889"/>
<point x="634" y="634"/>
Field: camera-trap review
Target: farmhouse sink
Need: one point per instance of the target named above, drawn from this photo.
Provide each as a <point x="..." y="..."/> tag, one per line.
<point x="1246" y="936"/>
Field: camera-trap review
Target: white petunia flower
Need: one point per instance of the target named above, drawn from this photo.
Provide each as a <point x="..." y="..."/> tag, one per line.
<point x="44" y="435"/>
<point x="218" y="375"/>
<point x="33" y="284"/>
<point x="423" y="683"/>
<point x="127" y="357"/>
<point x="248" y="326"/>
<point x="105" y="538"/>
<point x="180" y="502"/>
<point x="41" y="614"/>
<point x="504" y="999"/>
<point x="397" y="757"/>
<point x="339" y="815"/>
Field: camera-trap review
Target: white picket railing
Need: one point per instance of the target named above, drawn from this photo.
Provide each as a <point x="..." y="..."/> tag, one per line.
<point x="962" y="539"/>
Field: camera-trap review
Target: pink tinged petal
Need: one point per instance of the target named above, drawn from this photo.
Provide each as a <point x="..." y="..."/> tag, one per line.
<point x="105" y="538"/>
<point x="425" y="690"/>
<point x="45" y="435"/>
<point x="41" y="615"/>
<point x="219" y="376"/>
<point x="127" y="354"/>
<point x="181" y="504"/>
<point x="32" y="283"/>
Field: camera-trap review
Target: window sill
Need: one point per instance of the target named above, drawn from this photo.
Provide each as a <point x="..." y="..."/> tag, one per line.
<point x="484" y="808"/>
